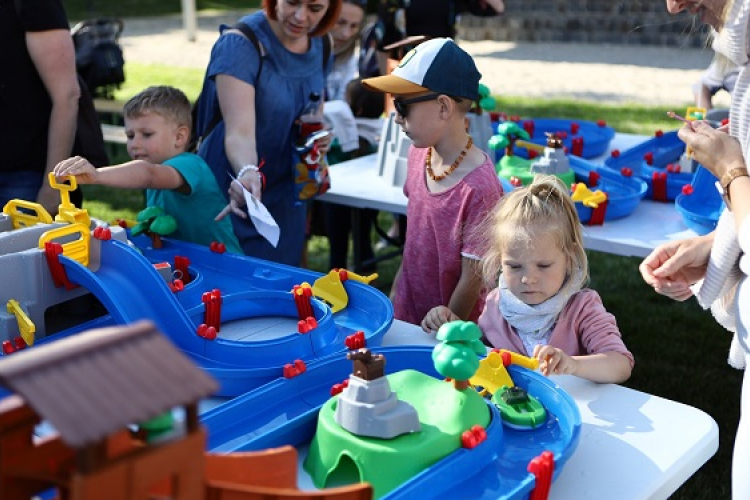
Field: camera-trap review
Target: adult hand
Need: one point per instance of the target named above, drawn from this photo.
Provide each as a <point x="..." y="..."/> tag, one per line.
<point x="672" y="267"/>
<point x="713" y="148"/>
<point x="251" y="181"/>
<point x="436" y="317"/>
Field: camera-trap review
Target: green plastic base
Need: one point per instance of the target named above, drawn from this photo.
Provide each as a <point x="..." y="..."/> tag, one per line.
<point x="514" y="166"/>
<point x="338" y="457"/>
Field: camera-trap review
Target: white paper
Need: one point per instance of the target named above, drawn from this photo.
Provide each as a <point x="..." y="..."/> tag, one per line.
<point x="261" y="217"/>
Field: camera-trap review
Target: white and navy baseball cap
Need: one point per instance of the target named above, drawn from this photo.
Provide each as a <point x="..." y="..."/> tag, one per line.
<point x="438" y="65"/>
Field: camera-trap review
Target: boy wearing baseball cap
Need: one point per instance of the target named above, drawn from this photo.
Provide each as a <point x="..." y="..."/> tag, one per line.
<point x="450" y="183"/>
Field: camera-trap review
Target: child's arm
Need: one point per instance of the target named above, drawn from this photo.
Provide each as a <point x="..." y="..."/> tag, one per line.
<point x="469" y="285"/>
<point x="606" y="367"/>
<point x="136" y="174"/>
<point x="437" y="317"/>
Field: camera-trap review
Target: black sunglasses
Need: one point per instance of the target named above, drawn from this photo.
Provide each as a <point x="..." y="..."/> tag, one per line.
<point x="402" y="105"/>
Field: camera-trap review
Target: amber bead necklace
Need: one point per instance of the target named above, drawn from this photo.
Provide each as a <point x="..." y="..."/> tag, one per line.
<point x="454" y="166"/>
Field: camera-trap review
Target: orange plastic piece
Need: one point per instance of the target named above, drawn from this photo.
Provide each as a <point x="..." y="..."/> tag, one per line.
<point x="302" y="299"/>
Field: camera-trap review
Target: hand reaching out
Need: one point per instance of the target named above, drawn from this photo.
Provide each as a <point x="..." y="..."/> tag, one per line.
<point x="554" y="361"/>
<point x="436" y="317"/>
<point x="81" y="168"/>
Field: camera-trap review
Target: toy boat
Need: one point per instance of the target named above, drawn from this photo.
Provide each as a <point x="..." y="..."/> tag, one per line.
<point x="700" y="205"/>
<point x="285" y="411"/>
<point x="657" y="162"/>
<point x="257" y="330"/>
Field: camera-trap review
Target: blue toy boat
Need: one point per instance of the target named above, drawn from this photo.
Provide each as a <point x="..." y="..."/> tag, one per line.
<point x="285" y="412"/>
<point x="582" y="138"/>
<point x="650" y="161"/>
<point x="701" y="207"/>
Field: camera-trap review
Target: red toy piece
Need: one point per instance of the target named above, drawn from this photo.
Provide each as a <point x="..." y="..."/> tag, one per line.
<point x="626" y="171"/>
<point x="303" y="300"/>
<point x="649" y="158"/>
<point x="355" y="341"/>
<point x="529" y="127"/>
<point x="212" y="305"/>
<point x="601" y="123"/>
<point x="337" y="388"/>
<point x="207" y="332"/>
<point x="8" y="347"/>
<point x="615" y="153"/>
<point x="474" y="436"/>
<point x="597" y="214"/>
<point x="19" y="343"/>
<point x="52" y="251"/>
<point x="177" y="286"/>
<point x="577" y="146"/>
<point x="687" y="189"/>
<point x="292" y="370"/>
<point x="307" y="325"/>
<point x="593" y="178"/>
<point x="659" y="186"/>
<point x="515" y="118"/>
<point x="674" y="168"/>
<point x="507" y="359"/>
<point x="102" y="233"/>
<point x="515" y="182"/>
<point x="217" y="247"/>
<point x="659" y="133"/>
<point x="532" y="154"/>
<point x="182" y="264"/>
<point x="543" y="467"/>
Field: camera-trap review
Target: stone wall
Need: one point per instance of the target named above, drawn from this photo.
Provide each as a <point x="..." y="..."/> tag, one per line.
<point x="589" y="21"/>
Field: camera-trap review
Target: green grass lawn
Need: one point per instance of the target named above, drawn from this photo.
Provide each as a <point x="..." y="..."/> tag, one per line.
<point x="680" y="351"/>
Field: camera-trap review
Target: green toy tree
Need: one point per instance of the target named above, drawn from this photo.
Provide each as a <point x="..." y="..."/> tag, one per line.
<point x="456" y="357"/>
<point x="155" y="223"/>
<point x="507" y="135"/>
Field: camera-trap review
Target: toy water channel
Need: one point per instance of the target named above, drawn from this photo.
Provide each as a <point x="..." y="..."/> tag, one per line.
<point x="285" y="412"/>
<point x="258" y="332"/>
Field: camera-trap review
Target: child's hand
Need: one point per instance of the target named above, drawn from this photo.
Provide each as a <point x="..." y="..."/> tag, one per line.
<point x="437" y="317"/>
<point x="81" y="168"/>
<point x="554" y="361"/>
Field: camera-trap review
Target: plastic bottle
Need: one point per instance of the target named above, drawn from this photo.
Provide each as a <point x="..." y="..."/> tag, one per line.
<point x="311" y="118"/>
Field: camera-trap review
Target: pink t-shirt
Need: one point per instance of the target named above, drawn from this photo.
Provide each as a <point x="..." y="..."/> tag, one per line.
<point x="583" y="327"/>
<point x="439" y="234"/>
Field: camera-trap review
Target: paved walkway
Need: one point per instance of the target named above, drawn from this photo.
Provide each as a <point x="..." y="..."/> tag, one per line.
<point x="603" y="73"/>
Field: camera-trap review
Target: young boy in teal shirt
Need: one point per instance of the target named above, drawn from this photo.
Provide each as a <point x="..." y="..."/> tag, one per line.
<point x="158" y="124"/>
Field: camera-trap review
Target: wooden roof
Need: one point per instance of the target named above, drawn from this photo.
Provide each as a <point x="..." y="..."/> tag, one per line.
<point x="97" y="382"/>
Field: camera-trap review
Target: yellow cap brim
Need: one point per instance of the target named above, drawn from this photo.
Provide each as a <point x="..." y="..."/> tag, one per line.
<point x="393" y="84"/>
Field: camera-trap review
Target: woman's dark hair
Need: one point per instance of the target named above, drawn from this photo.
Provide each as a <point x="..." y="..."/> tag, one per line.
<point x="325" y="24"/>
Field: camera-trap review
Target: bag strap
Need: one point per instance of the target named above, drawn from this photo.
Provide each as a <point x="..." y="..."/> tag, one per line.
<point x="250" y="35"/>
<point x="263" y="52"/>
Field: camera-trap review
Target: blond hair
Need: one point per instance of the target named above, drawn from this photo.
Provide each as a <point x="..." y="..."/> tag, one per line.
<point x="542" y="208"/>
<point x="168" y="102"/>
